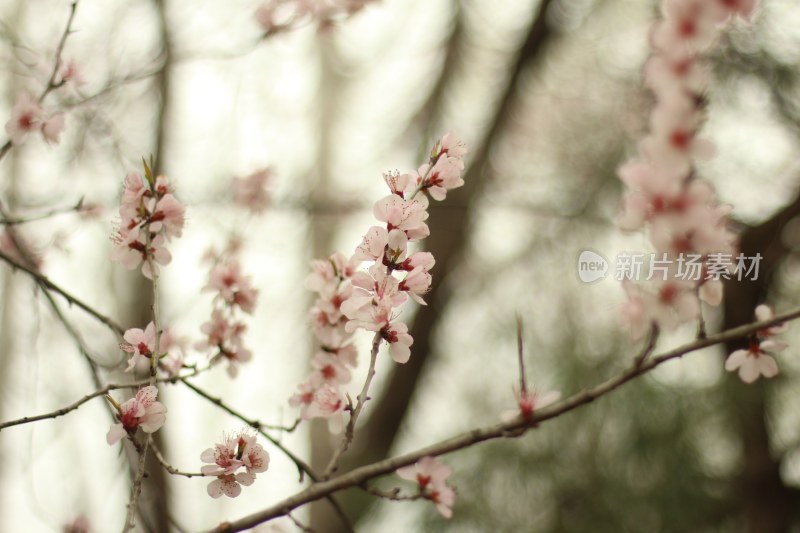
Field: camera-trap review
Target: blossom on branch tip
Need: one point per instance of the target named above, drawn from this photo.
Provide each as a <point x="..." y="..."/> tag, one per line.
<point x="430" y="476"/>
<point x="140" y="344"/>
<point x="528" y="402"/>
<point x="236" y="451"/>
<point x="140" y="411"/>
<point x="757" y="359"/>
<point x="27" y="116"/>
<point x="149" y="215"/>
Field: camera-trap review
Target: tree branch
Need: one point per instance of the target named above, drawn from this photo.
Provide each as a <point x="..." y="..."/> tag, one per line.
<point x="512" y="428"/>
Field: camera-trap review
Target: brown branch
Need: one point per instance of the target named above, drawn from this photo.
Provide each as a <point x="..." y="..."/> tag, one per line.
<point x="71" y="407"/>
<point x="168" y="467"/>
<point x="361" y="400"/>
<point x="514" y="428"/>
<point x="73" y="300"/>
<point x="17" y="220"/>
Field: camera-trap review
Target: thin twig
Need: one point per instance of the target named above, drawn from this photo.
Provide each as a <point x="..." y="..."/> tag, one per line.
<point x="361" y="400"/>
<point x="51" y="83"/>
<point x="393" y="495"/>
<point x="361" y="475"/>
<point x="648" y="348"/>
<point x="168" y="467"/>
<point x="73" y="300"/>
<point x="302" y="527"/>
<point x="523" y="386"/>
<point x="15" y="221"/>
<point x="73" y="406"/>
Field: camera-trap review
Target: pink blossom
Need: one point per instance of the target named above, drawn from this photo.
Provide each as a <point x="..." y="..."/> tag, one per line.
<point x="327" y="402"/>
<point x="26" y="116"/>
<point x="70" y="72"/>
<point x="225" y="335"/>
<point x="529" y="401"/>
<point x="169" y="214"/>
<point x="373" y="244"/>
<point x="233" y="287"/>
<point x="443" y="176"/>
<point x="140" y="343"/>
<point x="763" y="313"/>
<point x="330" y="369"/>
<point x="399" y="340"/>
<point x="250" y="192"/>
<point x="667" y="303"/>
<point x="130" y="251"/>
<point x="755" y="361"/>
<point x="399" y="184"/>
<point x="419" y="259"/>
<point x="676" y="72"/>
<point x="430" y="476"/>
<point x="450" y="146"/>
<point x="81" y="524"/>
<point x="52" y="128"/>
<point x="406" y="215"/>
<point x="303" y="398"/>
<point x="416" y="283"/>
<point x="688" y="24"/>
<point x="237" y="450"/>
<point x="140" y="411"/>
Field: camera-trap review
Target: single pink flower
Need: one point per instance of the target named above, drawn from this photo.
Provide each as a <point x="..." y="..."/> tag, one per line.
<point x="396" y="334"/>
<point x="141" y="344"/>
<point x="140" y="411"/>
<point x="430" y="476"/>
<point x="755" y="361"/>
<point x="26" y="116"/>
<point x="250" y="192"/>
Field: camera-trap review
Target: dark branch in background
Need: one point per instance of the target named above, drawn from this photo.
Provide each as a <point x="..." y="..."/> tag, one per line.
<point x="42" y="280"/>
<point x="765" y="501"/>
<point x="513" y="428"/>
<point x="447" y="241"/>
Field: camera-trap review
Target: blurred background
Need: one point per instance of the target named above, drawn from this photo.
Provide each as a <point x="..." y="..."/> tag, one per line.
<point x="547" y="94"/>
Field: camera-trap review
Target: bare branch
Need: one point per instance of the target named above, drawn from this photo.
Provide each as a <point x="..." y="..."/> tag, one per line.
<point x="49" y="285"/>
<point x="514" y="427"/>
<point x="361" y="399"/>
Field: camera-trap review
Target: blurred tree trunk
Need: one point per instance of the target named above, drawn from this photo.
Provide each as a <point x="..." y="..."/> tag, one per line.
<point x="136" y="300"/>
<point x="324" y="225"/>
<point x="765" y="502"/>
<point x="449" y="223"/>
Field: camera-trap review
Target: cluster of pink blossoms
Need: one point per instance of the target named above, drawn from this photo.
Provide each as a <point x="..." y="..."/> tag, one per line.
<point x="679" y="210"/>
<point x="665" y="196"/>
<point x="141" y="411"/>
<point x="237" y="450"/>
<point x="250" y="192"/>
<point x="430" y="476"/>
<point x="233" y="293"/>
<point x="351" y="299"/>
<point x="28" y="116"/>
<point x="319" y="395"/>
<point x="150" y="215"/>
